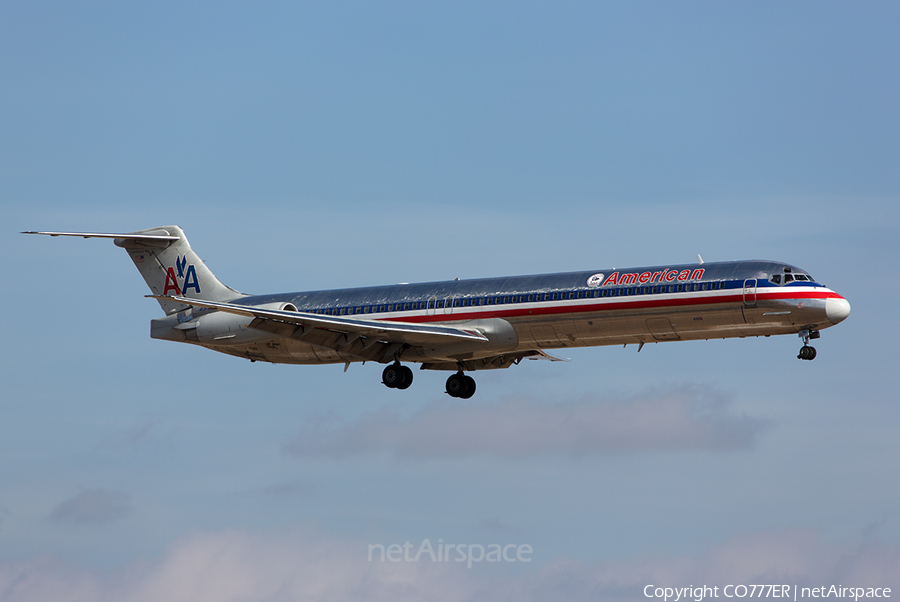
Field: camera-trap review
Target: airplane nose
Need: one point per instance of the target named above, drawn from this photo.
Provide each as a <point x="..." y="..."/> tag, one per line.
<point x="837" y="309"/>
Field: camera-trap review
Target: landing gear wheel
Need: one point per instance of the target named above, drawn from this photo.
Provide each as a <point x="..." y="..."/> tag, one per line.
<point x="460" y="385"/>
<point x="470" y="388"/>
<point x="807" y="353"/>
<point x="397" y="376"/>
<point x="406" y="377"/>
<point x="455" y="384"/>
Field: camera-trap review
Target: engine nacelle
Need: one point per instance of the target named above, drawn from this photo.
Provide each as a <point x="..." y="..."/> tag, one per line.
<point x="500" y="334"/>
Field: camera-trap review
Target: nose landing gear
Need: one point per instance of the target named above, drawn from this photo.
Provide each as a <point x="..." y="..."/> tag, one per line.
<point x="808" y="352"/>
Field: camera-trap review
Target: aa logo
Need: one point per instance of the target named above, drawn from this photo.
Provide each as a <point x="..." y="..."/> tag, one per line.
<point x="187" y="278"/>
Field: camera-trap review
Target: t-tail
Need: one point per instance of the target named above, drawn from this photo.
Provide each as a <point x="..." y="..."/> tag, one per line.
<point x="169" y="266"/>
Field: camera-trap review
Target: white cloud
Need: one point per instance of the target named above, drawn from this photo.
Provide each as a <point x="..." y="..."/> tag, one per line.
<point x="682" y="418"/>
<point x="306" y="564"/>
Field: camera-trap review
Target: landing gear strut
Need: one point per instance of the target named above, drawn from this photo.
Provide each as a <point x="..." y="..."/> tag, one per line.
<point x="460" y="385"/>
<point x="397" y="376"/>
<point x="807" y="352"/>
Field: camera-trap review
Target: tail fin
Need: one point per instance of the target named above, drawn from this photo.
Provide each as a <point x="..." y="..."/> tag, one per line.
<point x="169" y="266"/>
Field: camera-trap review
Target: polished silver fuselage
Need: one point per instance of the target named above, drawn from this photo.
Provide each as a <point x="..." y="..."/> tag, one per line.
<point x="551" y="311"/>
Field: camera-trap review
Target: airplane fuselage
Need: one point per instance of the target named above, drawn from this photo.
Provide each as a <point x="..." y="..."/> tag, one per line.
<point x="553" y="311"/>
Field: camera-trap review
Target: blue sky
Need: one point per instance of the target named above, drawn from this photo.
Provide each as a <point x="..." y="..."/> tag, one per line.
<point x="318" y="146"/>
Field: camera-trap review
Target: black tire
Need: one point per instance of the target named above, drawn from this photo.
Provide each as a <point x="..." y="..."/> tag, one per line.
<point x="391" y="377"/>
<point x="406" y="377"/>
<point x="469" y="386"/>
<point x="456" y="385"/>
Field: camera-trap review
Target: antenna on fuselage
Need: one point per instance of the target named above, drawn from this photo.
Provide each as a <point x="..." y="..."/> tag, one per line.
<point x="699" y="259"/>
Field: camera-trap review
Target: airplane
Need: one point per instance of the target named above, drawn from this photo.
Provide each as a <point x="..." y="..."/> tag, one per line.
<point x="467" y="325"/>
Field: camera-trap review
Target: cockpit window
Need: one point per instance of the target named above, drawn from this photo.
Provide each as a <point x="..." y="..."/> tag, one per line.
<point x="790" y="276"/>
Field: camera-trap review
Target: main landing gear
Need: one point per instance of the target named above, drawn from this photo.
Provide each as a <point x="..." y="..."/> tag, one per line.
<point x="460" y="385"/>
<point x="807" y="352"/>
<point x="397" y="376"/>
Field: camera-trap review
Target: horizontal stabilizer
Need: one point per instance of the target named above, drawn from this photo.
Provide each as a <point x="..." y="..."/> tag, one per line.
<point x="124" y="236"/>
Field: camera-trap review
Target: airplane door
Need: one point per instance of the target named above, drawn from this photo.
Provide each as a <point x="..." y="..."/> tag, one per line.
<point x="750" y="291"/>
<point x="432" y="305"/>
<point x="448" y="306"/>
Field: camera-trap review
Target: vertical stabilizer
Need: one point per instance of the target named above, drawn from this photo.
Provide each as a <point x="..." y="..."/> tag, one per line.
<point x="170" y="267"/>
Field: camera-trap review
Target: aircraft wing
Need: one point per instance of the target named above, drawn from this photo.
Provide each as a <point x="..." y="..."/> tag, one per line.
<point x="338" y="332"/>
